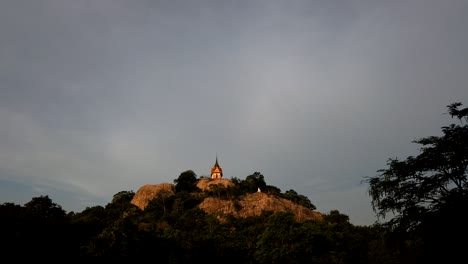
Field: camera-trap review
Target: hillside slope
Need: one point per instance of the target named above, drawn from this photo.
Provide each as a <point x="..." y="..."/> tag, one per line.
<point x="251" y="204"/>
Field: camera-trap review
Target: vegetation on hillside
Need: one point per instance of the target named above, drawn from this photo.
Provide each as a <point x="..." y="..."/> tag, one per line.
<point x="427" y="194"/>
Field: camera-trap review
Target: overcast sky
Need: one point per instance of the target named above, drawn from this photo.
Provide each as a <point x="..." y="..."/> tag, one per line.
<point x="98" y="97"/>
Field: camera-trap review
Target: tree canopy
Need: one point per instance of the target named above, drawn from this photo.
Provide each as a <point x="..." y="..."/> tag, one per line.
<point x="428" y="193"/>
<point x="186" y="181"/>
<point x="425" y="184"/>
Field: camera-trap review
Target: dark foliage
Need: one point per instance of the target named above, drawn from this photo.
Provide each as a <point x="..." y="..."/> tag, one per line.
<point x="428" y="194"/>
<point x="187" y="181"/>
<point x="173" y="230"/>
<point x="298" y="199"/>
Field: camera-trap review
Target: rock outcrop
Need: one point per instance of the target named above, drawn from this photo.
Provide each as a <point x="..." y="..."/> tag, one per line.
<point x="253" y="204"/>
<point x="148" y="192"/>
<point x="206" y="184"/>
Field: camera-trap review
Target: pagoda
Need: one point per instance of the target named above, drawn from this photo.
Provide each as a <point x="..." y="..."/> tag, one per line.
<point x="216" y="170"/>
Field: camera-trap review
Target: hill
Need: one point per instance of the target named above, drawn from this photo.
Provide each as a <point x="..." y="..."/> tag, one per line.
<point x="214" y="202"/>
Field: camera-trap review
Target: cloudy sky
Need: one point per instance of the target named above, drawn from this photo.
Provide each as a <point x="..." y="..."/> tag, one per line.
<point x="98" y="97"/>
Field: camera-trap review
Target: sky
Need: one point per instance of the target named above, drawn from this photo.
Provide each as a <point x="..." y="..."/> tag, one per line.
<point x="98" y="97"/>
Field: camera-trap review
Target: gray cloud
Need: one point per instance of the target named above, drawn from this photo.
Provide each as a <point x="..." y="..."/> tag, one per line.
<point x="100" y="97"/>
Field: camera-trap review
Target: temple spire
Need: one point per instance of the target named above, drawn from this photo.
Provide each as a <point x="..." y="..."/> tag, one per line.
<point x="216" y="170"/>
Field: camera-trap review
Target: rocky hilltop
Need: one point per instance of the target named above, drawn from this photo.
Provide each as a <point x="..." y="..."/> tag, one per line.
<point x="251" y="204"/>
<point x="148" y="192"/>
<point x="207" y="184"/>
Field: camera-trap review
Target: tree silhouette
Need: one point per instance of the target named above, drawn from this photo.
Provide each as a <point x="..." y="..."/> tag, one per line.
<point x="428" y="194"/>
<point x="460" y="114"/>
<point x="186" y="181"/>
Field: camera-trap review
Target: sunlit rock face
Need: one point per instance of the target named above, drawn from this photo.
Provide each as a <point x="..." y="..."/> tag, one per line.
<point x="254" y="204"/>
<point x="207" y="184"/>
<point x="148" y="192"/>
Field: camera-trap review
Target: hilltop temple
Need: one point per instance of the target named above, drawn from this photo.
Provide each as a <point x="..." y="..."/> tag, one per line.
<point x="216" y="170"/>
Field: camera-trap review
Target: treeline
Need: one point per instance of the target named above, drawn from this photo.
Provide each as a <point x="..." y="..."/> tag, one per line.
<point x="172" y="229"/>
<point x="426" y="196"/>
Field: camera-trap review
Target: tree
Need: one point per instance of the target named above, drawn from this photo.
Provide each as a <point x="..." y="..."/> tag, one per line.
<point x="45" y="227"/>
<point x="298" y="199"/>
<point x="123" y="197"/>
<point x="336" y="217"/>
<point x="160" y="204"/>
<point x="428" y="193"/>
<point x="277" y="243"/>
<point x="186" y="181"/>
<point x="424" y="184"/>
<point x="272" y="190"/>
<point x="43" y="207"/>
<point x="460" y="114"/>
<point x="255" y="181"/>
